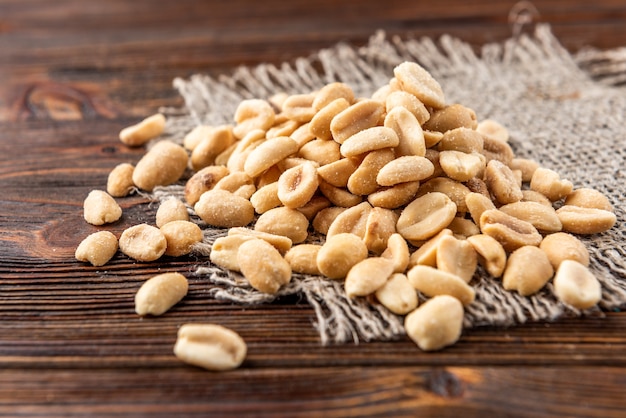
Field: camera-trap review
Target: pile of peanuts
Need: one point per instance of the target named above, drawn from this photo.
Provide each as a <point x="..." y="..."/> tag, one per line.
<point x="410" y="195"/>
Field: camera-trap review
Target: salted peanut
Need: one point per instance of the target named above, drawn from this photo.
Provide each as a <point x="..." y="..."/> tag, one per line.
<point x="461" y="139"/>
<point x="263" y="266"/>
<point x="331" y="92"/>
<point x="144" y="131"/>
<point x="502" y="183"/>
<point x="120" y="180"/>
<point x="253" y="114"/>
<point x="451" y="117"/>
<point x="97" y="248"/>
<point x="585" y="221"/>
<point x="562" y="246"/>
<point x="291" y="162"/>
<point x="284" y="221"/>
<point x="409" y="102"/>
<point x="426" y="216"/>
<point x="367" y="276"/>
<point x="397" y="295"/>
<point x="269" y="153"/>
<point x="250" y="140"/>
<point x="143" y="242"/>
<point x="527" y="270"/>
<point x="395" y="196"/>
<point x="265" y="198"/>
<point x="362" y="115"/>
<point x="277" y="100"/>
<point x="313" y="206"/>
<point x="508" y="230"/>
<point x="223" y="209"/>
<point x="320" y="151"/>
<point x="549" y="183"/>
<point x="433" y="156"/>
<point x="339" y="253"/>
<point x="303" y="259"/>
<point x="297" y="185"/>
<point x="414" y="79"/>
<point x="432" y="282"/>
<point x="171" y="209"/>
<point x="460" y="166"/>
<point x="383" y="92"/>
<point x="238" y="183"/>
<point x="218" y="140"/>
<point x="436" y="324"/>
<point x="398" y="252"/>
<point x="588" y="198"/>
<point x="477" y="185"/>
<point x="408" y="129"/>
<point x="380" y="225"/>
<point x="224" y="250"/>
<point x="542" y="217"/>
<point x="533" y="196"/>
<point x="203" y="180"/>
<point x="181" y="236"/>
<point x="237" y="160"/>
<point x="338" y="172"/>
<point x="494" y="149"/>
<point x="432" y="138"/>
<point x="526" y="166"/>
<point x="210" y="346"/>
<point x="353" y="220"/>
<point x="269" y="176"/>
<point x="493" y="129"/>
<point x="223" y="157"/>
<point x="363" y="180"/>
<point x="404" y="169"/>
<point x="302" y="135"/>
<point x="196" y="135"/>
<point x="324" y="219"/>
<point x="164" y="164"/>
<point x="100" y="208"/>
<point x="491" y="254"/>
<point x="576" y="286"/>
<point x="281" y="243"/>
<point x="339" y="196"/>
<point x="159" y="293"/>
<point x="320" y="123"/>
<point x="284" y="128"/>
<point x="426" y="254"/>
<point x="463" y="228"/>
<point x="457" y="257"/>
<point x="453" y="189"/>
<point x="299" y="107"/>
<point x="368" y="140"/>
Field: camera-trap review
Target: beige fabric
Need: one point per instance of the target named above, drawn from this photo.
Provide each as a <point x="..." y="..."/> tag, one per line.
<point x="566" y="111"/>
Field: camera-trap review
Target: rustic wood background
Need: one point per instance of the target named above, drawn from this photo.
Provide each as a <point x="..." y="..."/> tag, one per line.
<point x="74" y="72"/>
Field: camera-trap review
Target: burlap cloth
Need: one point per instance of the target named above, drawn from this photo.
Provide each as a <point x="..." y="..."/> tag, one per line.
<point x="565" y="111"/>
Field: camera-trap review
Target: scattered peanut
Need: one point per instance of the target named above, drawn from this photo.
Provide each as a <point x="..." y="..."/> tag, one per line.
<point x="147" y="129"/>
<point x="575" y="285"/>
<point x="100" y="208"/>
<point x="435" y="324"/>
<point x="159" y="293"/>
<point x="210" y="346"/>
<point x="143" y="242"/>
<point x="97" y="248"/>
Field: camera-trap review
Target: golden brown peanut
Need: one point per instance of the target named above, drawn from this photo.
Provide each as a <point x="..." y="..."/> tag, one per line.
<point x="588" y="198"/>
<point x="320" y="151"/>
<point x="404" y="169"/>
<point x="460" y="166"/>
<point x="549" y="183"/>
<point x="494" y="149"/>
<point x="526" y="166"/>
<point x="143" y="242"/>
<point x="363" y="180"/>
<point x="533" y="196"/>
<point x="263" y="266"/>
<point x="159" y="293"/>
<point x="359" y="116"/>
<point x="164" y="164"/>
<point x="339" y="196"/>
<point x="299" y="107"/>
<point x="284" y="128"/>
<point x="368" y="140"/>
<point x="432" y="282"/>
<point x="502" y="183"/>
<point x="144" y="131"/>
<point x="181" y="236"/>
<point x="253" y="114"/>
<point x="120" y="180"/>
<point x="414" y="79"/>
<point x="277" y="100"/>
<point x="224" y="156"/>
<point x="338" y="172"/>
<point x="542" y="217"/>
<point x="383" y="92"/>
<point x="453" y="189"/>
<point x="291" y="162"/>
<point x="313" y="206"/>
<point x="367" y="276"/>
<point x="380" y="225"/>
<point x="171" y="209"/>
<point x="451" y="117"/>
<point x="395" y="196"/>
<point x="409" y="102"/>
<point x="585" y="221"/>
<point x="97" y="248"/>
<point x="281" y="243"/>
<point x="216" y="142"/>
<point x="435" y="324"/>
<point x="238" y="183"/>
<point x="527" y="270"/>
<point x="196" y="135"/>
<point x="209" y="346"/>
<point x="352" y="220"/>
<point x="284" y="221"/>
<point x="463" y="228"/>
<point x="491" y="254"/>
<point x="426" y="216"/>
<point x="397" y="295"/>
<point x="493" y="129"/>
<point x="302" y="135"/>
<point x="398" y="252"/>
<point x="324" y="219"/>
<point x="269" y="176"/>
<point x="100" y="208"/>
<point x="456" y="257"/>
<point x="562" y="246"/>
<point x="269" y="153"/>
<point x="508" y="230"/>
<point x="223" y="209"/>
<point x="339" y="253"/>
<point x="331" y="92"/>
<point x="224" y="250"/>
<point x="320" y="123"/>
<point x="203" y="180"/>
<point x="410" y="134"/>
<point x="462" y="140"/>
<point x="433" y="156"/>
<point x="432" y="138"/>
<point x="576" y="286"/>
<point x="477" y="185"/>
<point x="426" y="254"/>
<point x="265" y="198"/>
<point x="303" y="259"/>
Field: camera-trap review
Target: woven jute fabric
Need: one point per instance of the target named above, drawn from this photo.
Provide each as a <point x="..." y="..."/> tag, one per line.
<point x="567" y="112"/>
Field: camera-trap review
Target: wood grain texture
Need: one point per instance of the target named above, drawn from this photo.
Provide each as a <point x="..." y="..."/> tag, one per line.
<point x="74" y="73"/>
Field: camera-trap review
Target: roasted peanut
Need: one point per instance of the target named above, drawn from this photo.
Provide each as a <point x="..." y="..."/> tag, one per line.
<point x="216" y="142"/>
<point x="395" y="196"/>
<point x="542" y="217"/>
<point x="491" y="254"/>
<point x="426" y="216"/>
<point x="143" y="242"/>
<point x="320" y="123"/>
<point x="209" y="346"/>
<point x="463" y="228"/>
<point x="451" y="117"/>
<point x="585" y="221"/>
<point x="325" y="218"/>
<point x="370" y="139"/>
<point x="331" y="92"/>
<point x="508" y="230"/>
<point x="224" y="250"/>
<point x="398" y="252"/>
<point x="265" y="198"/>
<point x="144" y="131"/>
<point x="159" y="293"/>
<point x="263" y="266"/>
<point x="196" y="135"/>
<point x="549" y="183"/>
<point x="284" y="128"/>
<point x="493" y="129"/>
<point x="533" y="196"/>
<point x="367" y="276"/>
<point x="171" y="209"/>
<point x="453" y="189"/>
<point x="462" y="140"/>
<point x="527" y="270"/>
<point x="456" y="257"/>
<point x="494" y="149"/>
<point x="414" y="79"/>
<point x="380" y="225"/>
<point x="432" y="282"/>
<point x="562" y="246"/>
<point x="397" y="295"/>
<point x="358" y="117"/>
<point x="352" y="220"/>
<point x="281" y="243"/>
<point x="284" y="221"/>
<point x="320" y="151"/>
<point x="299" y="107"/>
<point x="396" y="99"/>
<point x="409" y="132"/>
<point x="435" y="324"/>
<point x="181" y="236"/>
<point x="339" y="253"/>
<point x="432" y="138"/>
<point x="460" y="166"/>
<point x="203" y="180"/>
<point x="339" y="196"/>
<point x="120" y="180"/>
<point x="238" y="183"/>
<point x="97" y="248"/>
<point x="404" y="169"/>
<point x="588" y="198"/>
<point x="253" y="114"/>
<point x="223" y="209"/>
<point x="302" y="135"/>
<point x="269" y="153"/>
<point x="502" y="183"/>
<point x="426" y="254"/>
<point x="363" y="180"/>
<point x="526" y="166"/>
<point x="338" y="172"/>
<point x="100" y="208"/>
<point x="313" y="206"/>
<point x="575" y="285"/>
<point x="164" y="164"/>
<point x="303" y="259"/>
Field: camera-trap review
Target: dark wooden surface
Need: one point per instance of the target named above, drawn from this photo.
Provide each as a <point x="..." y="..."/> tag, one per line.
<point x="73" y="73"/>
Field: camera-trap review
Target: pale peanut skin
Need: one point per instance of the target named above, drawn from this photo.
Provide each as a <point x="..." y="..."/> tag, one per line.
<point x="158" y="294"/>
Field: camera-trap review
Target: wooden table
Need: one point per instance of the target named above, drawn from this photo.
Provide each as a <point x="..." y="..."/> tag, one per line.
<point x="73" y="73"/>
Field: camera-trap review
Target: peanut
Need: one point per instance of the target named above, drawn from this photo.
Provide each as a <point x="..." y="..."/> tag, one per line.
<point x="181" y="236"/>
<point x="159" y="293"/>
<point x="210" y="346"/>
<point x="575" y="285"/>
<point x="120" y="180"/>
<point x="144" y="131"/>
<point x="100" y="208"/>
<point x="435" y="324"/>
<point x="397" y="295"/>
<point x="97" y="248"/>
<point x="339" y="253"/>
<point x="164" y="164"/>
<point x="263" y="266"/>
<point x="170" y="210"/>
<point x="367" y="276"/>
<point x="143" y="242"/>
<point x="527" y="270"/>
